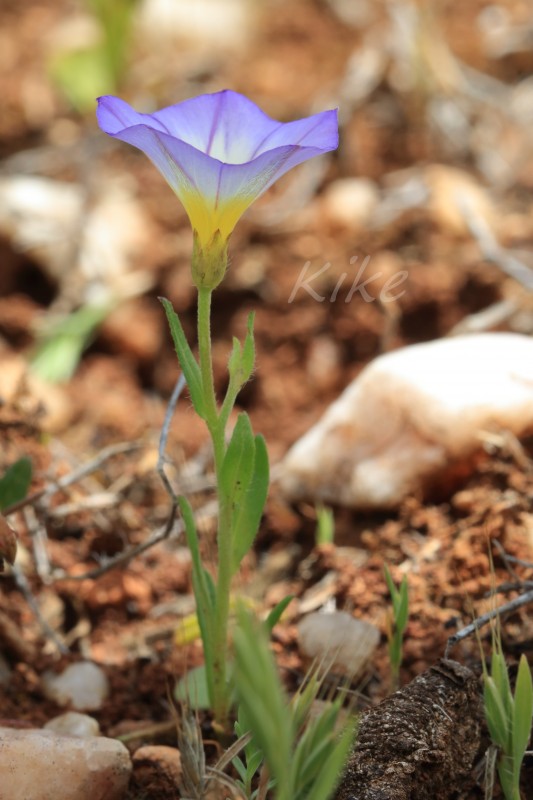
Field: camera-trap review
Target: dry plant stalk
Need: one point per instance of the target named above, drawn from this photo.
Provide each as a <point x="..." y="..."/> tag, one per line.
<point x="421" y="742"/>
<point x="8" y="543"/>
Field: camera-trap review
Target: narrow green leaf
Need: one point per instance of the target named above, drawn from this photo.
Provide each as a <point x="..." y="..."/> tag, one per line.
<point x="248" y="515"/>
<point x="192" y="688"/>
<point x="15" y="483"/>
<point x="312" y="750"/>
<point x="203" y="590"/>
<point x="329" y="777"/>
<point x="188" y="363"/>
<point x="401" y="612"/>
<point x="500" y="676"/>
<point x="523" y="711"/>
<point x="508" y="779"/>
<point x="391" y="586"/>
<point x="241" y="769"/>
<point x="497" y="720"/>
<point x="304" y="699"/>
<point x="255" y="761"/>
<point x="276" y="613"/>
<point x="260" y="693"/>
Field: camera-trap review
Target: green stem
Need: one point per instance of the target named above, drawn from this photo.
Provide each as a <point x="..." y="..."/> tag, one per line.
<point x="206" y="361"/>
<point x="217" y="424"/>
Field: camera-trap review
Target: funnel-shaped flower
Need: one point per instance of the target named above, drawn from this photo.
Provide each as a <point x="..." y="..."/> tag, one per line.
<point x="218" y="152"/>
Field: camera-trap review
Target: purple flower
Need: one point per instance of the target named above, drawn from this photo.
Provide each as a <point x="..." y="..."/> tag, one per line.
<point x="218" y="152"/>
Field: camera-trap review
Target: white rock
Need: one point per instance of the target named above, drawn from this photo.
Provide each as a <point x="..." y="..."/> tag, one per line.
<point x="351" y="202"/>
<point x="40" y="765"/>
<point x="40" y="215"/>
<point x="47" y="218"/>
<point x="211" y="24"/>
<point x="84" y="686"/>
<point x="338" y="641"/>
<point x="410" y="417"/>
<point x="73" y="724"/>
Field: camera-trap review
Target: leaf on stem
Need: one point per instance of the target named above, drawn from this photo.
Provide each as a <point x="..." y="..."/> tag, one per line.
<point x="189" y="365"/>
<point x="248" y="514"/>
<point x="15" y="483"/>
<point x="238" y="465"/>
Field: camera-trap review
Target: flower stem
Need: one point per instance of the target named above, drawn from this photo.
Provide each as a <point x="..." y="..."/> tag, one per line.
<point x="216" y="424"/>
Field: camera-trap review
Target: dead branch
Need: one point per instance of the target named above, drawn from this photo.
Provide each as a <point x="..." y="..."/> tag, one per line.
<point x="484" y="619"/>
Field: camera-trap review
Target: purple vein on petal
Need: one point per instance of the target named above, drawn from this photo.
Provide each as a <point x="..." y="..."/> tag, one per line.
<point x="295" y="146"/>
<point x="315" y="126"/>
<point x="219" y="181"/>
<point x="111" y="108"/>
<point x="264" y="139"/>
<point x="173" y="162"/>
<point x="283" y="162"/>
<point x="163" y="125"/>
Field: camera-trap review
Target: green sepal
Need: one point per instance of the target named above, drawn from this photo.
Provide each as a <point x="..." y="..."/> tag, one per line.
<point x="242" y="359"/>
<point x="188" y="363"/>
<point x="235" y="360"/>
<point x="250" y="510"/>
<point x="15" y="483"/>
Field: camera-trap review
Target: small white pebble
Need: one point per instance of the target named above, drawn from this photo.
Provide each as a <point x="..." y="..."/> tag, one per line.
<point x="84" y="686"/>
<point x="74" y="724"/>
<point x="351" y="201"/>
<point x="338" y="641"/>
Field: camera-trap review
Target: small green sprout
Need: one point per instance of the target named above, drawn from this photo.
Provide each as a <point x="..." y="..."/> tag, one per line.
<point x="508" y="717"/>
<point x="304" y="754"/>
<point x="396" y="623"/>
<point x="83" y="73"/>
<point x="325" y="525"/>
<point x="248" y="766"/>
<point x="62" y="343"/>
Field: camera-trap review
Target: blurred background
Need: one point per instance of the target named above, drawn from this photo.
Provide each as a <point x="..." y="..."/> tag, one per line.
<point x="433" y="177"/>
